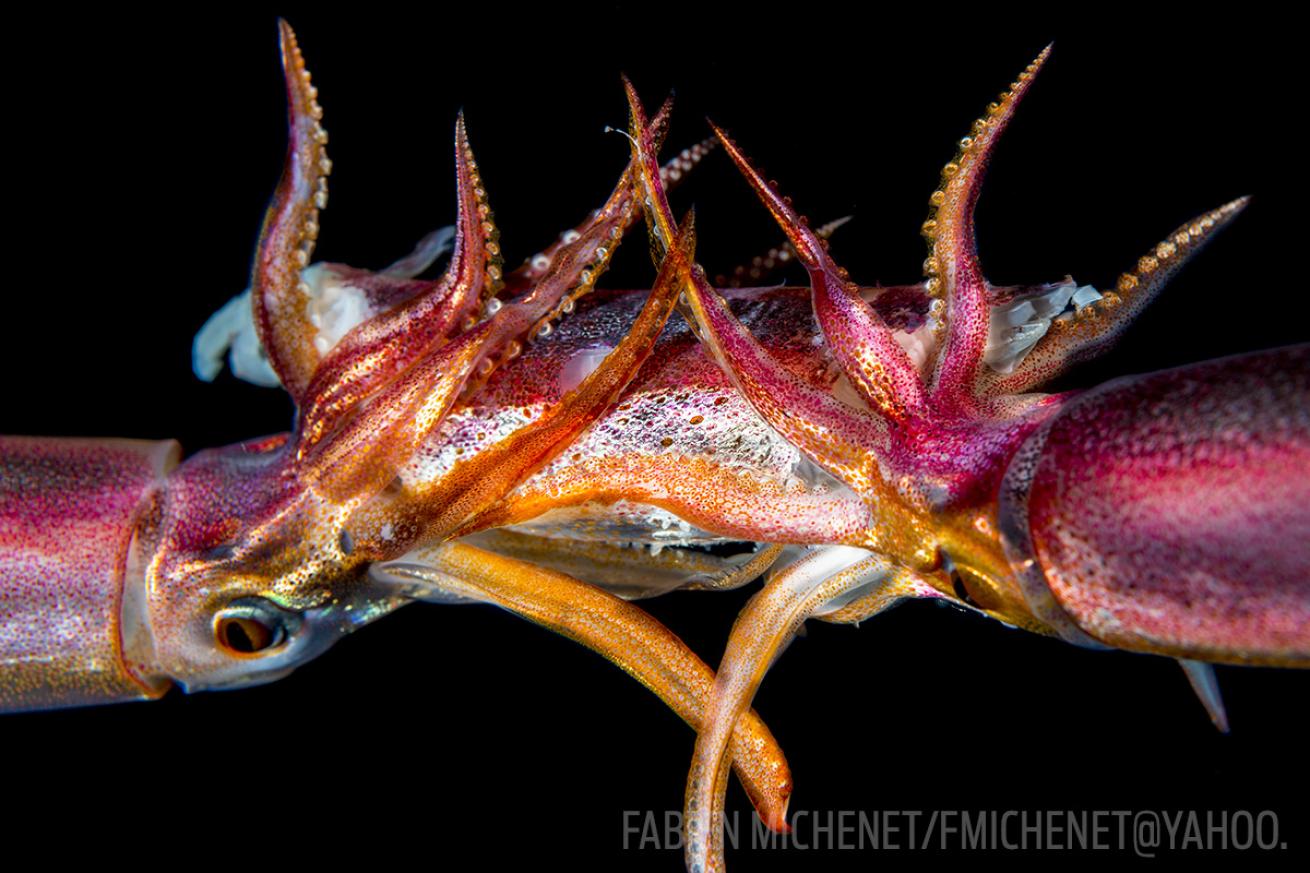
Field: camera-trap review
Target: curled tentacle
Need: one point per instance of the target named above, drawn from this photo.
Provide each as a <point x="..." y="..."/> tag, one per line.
<point x="952" y="265"/>
<point x="290" y="229"/>
<point x="621" y="632"/>
<point x="1090" y="331"/>
<point x="826" y="577"/>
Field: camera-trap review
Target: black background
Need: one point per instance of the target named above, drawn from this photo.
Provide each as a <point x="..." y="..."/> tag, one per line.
<point x="143" y="148"/>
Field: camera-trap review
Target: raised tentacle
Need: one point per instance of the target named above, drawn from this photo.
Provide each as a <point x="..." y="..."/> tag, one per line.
<point x="671" y="173"/>
<point x="1091" y="330"/>
<point x="869" y="355"/>
<point x="952" y="265"/>
<point x="661" y="227"/>
<point x="365" y="455"/>
<point x="375" y="352"/>
<point x="838" y="432"/>
<point x="621" y="632"/>
<point x="367" y="452"/>
<point x="821" y="577"/>
<point x="441" y="509"/>
<point x="290" y="229"/>
<point x="838" y="437"/>
<point x="532" y="270"/>
<point x="410" y="391"/>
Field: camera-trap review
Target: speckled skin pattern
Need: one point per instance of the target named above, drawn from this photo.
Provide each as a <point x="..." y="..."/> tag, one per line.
<point x="1193" y="503"/>
<point x="679" y="438"/>
<point x="68" y="511"/>
<point x="521" y="439"/>
<point x="927" y="449"/>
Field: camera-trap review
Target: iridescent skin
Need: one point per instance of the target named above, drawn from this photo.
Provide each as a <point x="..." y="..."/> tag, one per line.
<point x="1140" y="515"/>
<point x="496" y="436"/>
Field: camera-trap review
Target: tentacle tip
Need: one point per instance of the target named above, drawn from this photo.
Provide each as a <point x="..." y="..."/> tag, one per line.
<point x="776" y="820"/>
<point x="833" y="226"/>
<point x="1235" y="207"/>
<point x="1037" y="63"/>
<point x="636" y="113"/>
<point x="291" y="58"/>
<point x="722" y="137"/>
<point x="629" y="89"/>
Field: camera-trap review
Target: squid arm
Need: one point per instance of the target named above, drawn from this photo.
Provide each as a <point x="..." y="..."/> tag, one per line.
<point x="830" y="579"/>
<point x="610" y="626"/>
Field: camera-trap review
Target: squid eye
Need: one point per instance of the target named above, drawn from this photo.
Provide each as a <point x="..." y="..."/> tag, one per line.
<point x="251" y="627"/>
<point x="245" y="636"/>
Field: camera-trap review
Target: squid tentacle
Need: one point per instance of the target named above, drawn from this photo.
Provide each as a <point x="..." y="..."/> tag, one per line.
<point x="448" y="508"/>
<point x="1091" y="330"/>
<point x="376" y="351"/>
<point x="764" y="628"/>
<point x="871" y="358"/>
<point x="674" y="171"/>
<point x="838" y="437"/>
<point x="366" y="454"/>
<point x="279" y="295"/>
<point x="408" y="369"/>
<point x="954" y="273"/>
<point x="795" y="408"/>
<point x="620" y="631"/>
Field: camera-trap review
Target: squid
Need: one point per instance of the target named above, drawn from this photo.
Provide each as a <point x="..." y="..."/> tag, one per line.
<point x="524" y="439"/>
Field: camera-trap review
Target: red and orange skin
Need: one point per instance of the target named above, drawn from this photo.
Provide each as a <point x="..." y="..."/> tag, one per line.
<point x="577" y="418"/>
<point x="1139" y="515"/>
<point x="242" y="562"/>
